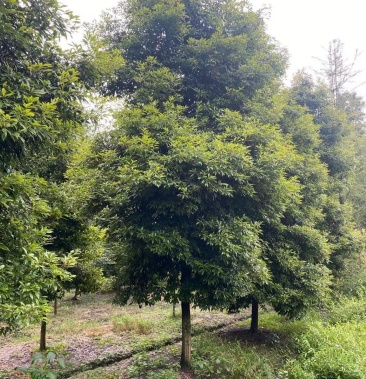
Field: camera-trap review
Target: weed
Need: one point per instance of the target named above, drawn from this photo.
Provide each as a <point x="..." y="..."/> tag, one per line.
<point x="127" y="322"/>
<point x="214" y="358"/>
<point x="152" y="367"/>
<point x="333" y="347"/>
<point x="43" y="366"/>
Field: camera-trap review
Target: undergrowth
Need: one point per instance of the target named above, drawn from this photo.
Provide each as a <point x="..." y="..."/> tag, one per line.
<point x="215" y="358"/>
<point x="127" y="322"/>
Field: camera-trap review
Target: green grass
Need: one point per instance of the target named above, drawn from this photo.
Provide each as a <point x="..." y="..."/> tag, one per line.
<point x="330" y="344"/>
<point x="215" y="358"/>
<point x="331" y="351"/>
<point x="122" y="323"/>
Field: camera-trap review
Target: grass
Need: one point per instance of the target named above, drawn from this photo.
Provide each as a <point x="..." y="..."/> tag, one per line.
<point x="122" y="323"/>
<point x="324" y="345"/>
<point x="94" y="328"/>
<point x="217" y="358"/>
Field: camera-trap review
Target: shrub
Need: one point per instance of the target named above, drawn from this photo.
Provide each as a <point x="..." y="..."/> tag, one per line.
<point x="43" y="366"/>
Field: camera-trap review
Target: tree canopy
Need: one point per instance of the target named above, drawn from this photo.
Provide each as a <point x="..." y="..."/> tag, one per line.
<point x="213" y="183"/>
<point x="39" y="113"/>
<point x="215" y="186"/>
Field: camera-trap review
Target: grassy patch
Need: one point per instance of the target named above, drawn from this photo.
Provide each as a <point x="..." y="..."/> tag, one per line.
<point x="152" y="366"/>
<point x="324" y="345"/>
<point x="122" y="323"/>
<point x="215" y="358"/>
<point x="331" y="351"/>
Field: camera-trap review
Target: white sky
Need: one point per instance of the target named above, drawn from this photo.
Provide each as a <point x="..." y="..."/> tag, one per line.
<point x="304" y="27"/>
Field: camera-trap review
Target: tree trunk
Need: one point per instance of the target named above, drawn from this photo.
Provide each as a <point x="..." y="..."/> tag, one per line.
<point x="55" y="307"/>
<point x="174" y="307"/>
<point x="42" y="342"/>
<point x="185" y="360"/>
<point x="76" y="295"/>
<point x="254" y="321"/>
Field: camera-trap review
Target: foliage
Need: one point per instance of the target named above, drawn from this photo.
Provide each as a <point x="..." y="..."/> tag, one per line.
<point x="43" y="365"/>
<point x="86" y="243"/>
<point x="96" y="64"/>
<point x="341" y="137"/>
<point x="39" y="114"/>
<point x="204" y="187"/>
<point x="347" y="310"/>
<point x="328" y="344"/>
<point x="352" y="280"/>
<point x="151" y="367"/>
<point x="200" y="214"/>
<point x="214" y="55"/>
<point x="215" y="358"/>
<point x="331" y="351"/>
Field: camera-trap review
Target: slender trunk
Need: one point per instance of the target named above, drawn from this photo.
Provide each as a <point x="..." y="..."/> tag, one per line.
<point x="174" y="307"/>
<point x="254" y="321"/>
<point x="55" y="306"/>
<point x="76" y="293"/>
<point x="42" y="342"/>
<point x="185" y="361"/>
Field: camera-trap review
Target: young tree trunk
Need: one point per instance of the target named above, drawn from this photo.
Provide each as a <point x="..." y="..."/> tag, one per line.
<point x="77" y="293"/>
<point x="55" y="306"/>
<point x="174" y="307"/>
<point x="185" y="360"/>
<point x="254" y="320"/>
<point x="42" y="342"/>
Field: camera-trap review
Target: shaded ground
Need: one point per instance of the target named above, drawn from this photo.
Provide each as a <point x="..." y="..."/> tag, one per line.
<point x="91" y="329"/>
<point x="263" y="340"/>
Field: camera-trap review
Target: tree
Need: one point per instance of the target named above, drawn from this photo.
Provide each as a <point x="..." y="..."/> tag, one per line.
<point x="210" y="56"/>
<point x="341" y="136"/>
<point x="39" y="112"/>
<point x="337" y="70"/>
<point x="217" y="53"/>
<point x="296" y="249"/>
<point x="182" y="205"/>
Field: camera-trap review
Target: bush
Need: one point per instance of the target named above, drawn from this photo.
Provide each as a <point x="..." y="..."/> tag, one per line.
<point x="43" y="366"/>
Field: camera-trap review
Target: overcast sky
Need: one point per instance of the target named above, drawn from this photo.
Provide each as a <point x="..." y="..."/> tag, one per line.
<point x="305" y="28"/>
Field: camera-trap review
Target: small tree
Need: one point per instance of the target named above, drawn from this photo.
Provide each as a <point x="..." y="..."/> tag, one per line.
<point x="53" y="285"/>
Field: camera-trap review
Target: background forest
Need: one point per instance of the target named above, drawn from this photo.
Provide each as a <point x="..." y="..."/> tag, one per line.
<point x="164" y="160"/>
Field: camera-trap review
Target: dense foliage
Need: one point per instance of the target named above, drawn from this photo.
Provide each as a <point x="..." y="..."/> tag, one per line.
<point x="39" y="114"/>
<point x="206" y="200"/>
<point x="214" y="186"/>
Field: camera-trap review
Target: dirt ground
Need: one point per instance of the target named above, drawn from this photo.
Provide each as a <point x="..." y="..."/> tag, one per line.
<point x="84" y="332"/>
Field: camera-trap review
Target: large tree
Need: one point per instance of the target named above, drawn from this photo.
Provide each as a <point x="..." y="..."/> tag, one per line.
<point x="207" y="56"/>
<point x="182" y="205"/>
<point x="296" y="246"/>
<point x="341" y="138"/>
